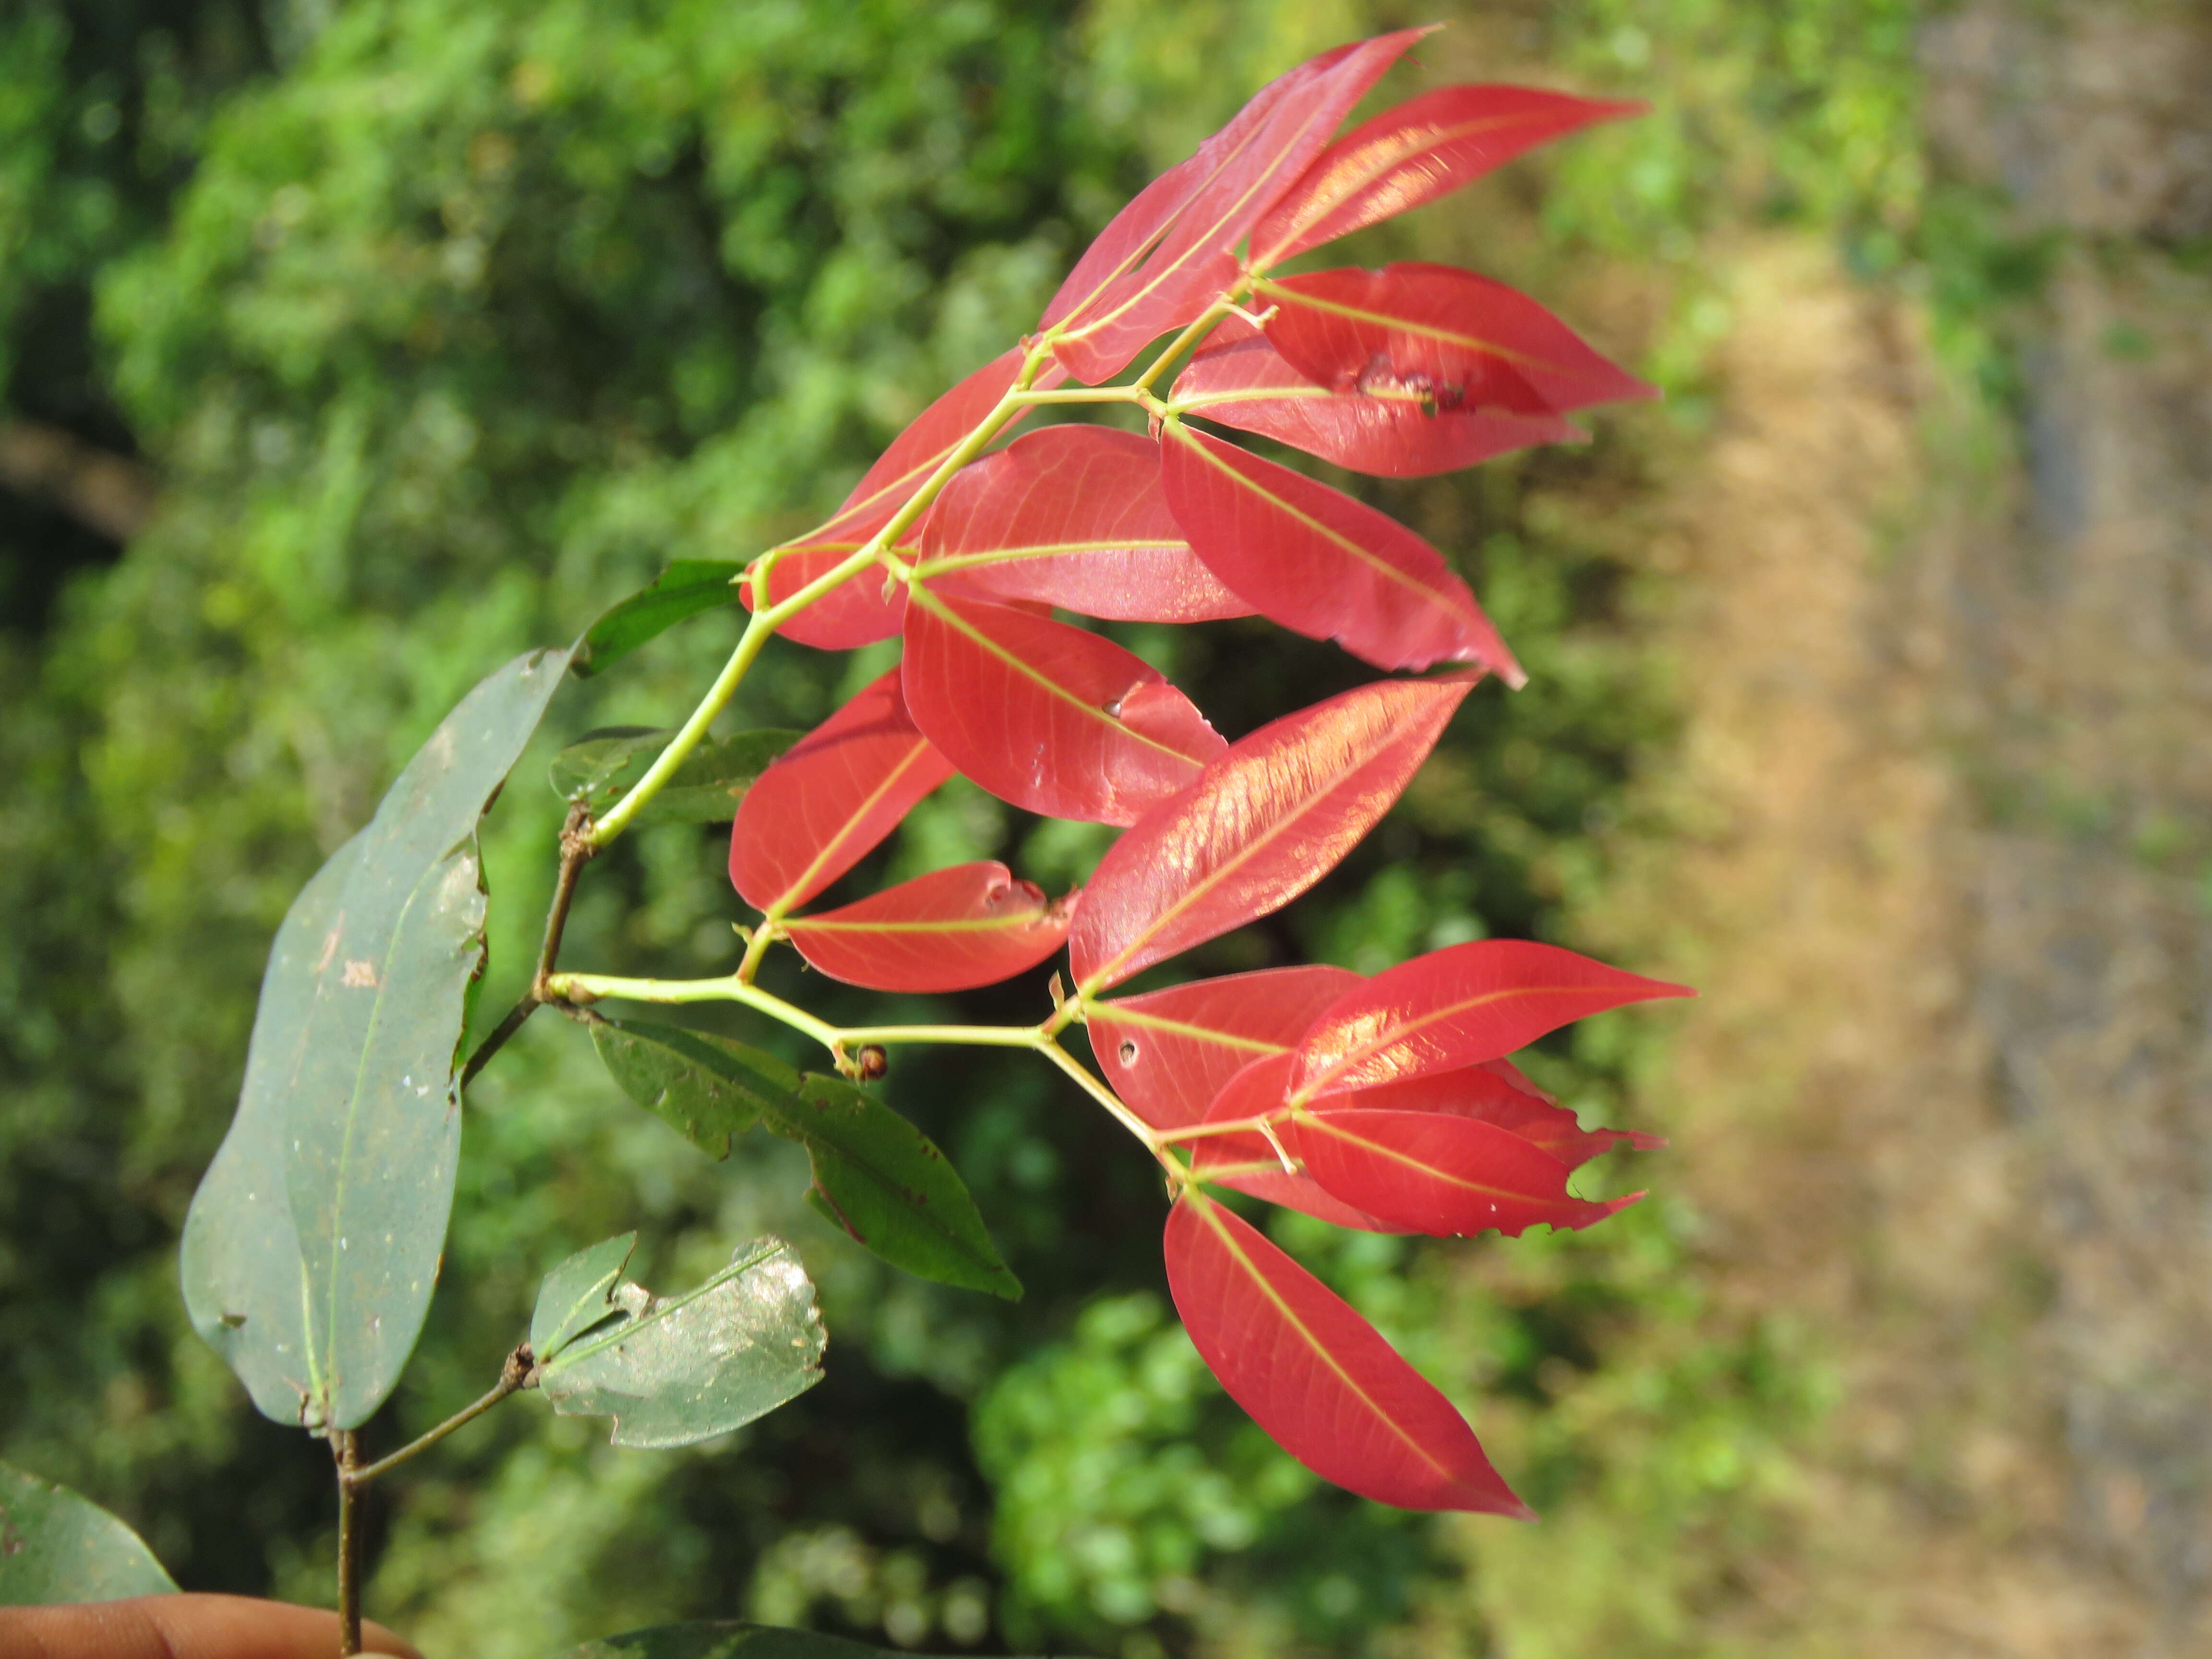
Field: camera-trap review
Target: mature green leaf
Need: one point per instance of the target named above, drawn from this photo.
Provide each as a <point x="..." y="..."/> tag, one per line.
<point x="673" y="1370"/>
<point x="723" y="1639"/>
<point x="312" y="1244"/>
<point x="577" y="1294"/>
<point x="57" y="1547"/>
<point x="875" y="1175"/>
<point x="599" y="767"/>
<point x="687" y="587"/>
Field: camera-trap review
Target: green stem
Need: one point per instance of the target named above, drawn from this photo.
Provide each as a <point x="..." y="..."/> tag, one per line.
<point x="981" y="1037"/>
<point x="1201" y="326"/>
<point x="593" y="988"/>
<point x="1050" y="1048"/>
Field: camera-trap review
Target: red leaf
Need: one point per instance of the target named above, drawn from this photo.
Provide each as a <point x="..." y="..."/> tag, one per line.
<point x="1169" y="1053"/>
<point x="1456" y="1007"/>
<point x="1316" y="1376"/>
<point x="863" y="611"/>
<point x="1445" y="334"/>
<point x="1056" y="720"/>
<point x="1238" y="379"/>
<point x="1252" y="161"/>
<point x="1250" y="1164"/>
<point x="1263" y="824"/>
<point x="1322" y="563"/>
<point x="830" y="798"/>
<point x="1072" y="516"/>
<point x="1481" y="1093"/>
<point x="947" y="931"/>
<point x="1427" y="147"/>
<point x="1439" y="1173"/>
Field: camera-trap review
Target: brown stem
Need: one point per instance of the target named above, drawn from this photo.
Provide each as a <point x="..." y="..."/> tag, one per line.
<point x="576" y="851"/>
<point x="513" y="1376"/>
<point x="347" y="1449"/>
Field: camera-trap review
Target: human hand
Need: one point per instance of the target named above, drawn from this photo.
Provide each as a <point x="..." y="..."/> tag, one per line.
<point x="183" y="1627"/>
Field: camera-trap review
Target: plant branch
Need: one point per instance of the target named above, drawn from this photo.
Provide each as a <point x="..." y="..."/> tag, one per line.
<point x="345" y="1448"/>
<point x="1050" y="1048"/>
<point x="1201" y="326"/>
<point x="576" y="851"/>
<point x="513" y="1376"/>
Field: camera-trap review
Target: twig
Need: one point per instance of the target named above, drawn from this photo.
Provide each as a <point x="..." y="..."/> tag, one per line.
<point x="513" y="1376"/>
<point x="347" y="1451"/>
<point x="576" y="851"/>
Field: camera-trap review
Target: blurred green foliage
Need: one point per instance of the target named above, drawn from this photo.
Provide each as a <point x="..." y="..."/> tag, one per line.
<point x="449" y="326"/>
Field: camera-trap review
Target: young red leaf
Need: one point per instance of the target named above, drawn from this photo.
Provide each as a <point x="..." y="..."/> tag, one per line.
<point x="949" y="930"/>
<point x="1169" y="1053"/>
<point x="1263" y="824"/>
<point x="1455" y="1007"/>
<point x="1316" y="1376"/>
<point x="1425" y="148"/>
<point x="1071" y="516"/>
<point x="863" y="610"/>
<point x="1195" y="259"/>
<point x="1322" y="563"/>
<point x="830" y="798"/>
<point x="1482" y="1093"/>
<point x="1251" y="1163"/>
<point x="1056" y="720"/>
<point x="1238" y="379"/>
<point x="1438" y="1173"/>
<point x="1445" y="334"/>
<point x="1519" y="1079"/>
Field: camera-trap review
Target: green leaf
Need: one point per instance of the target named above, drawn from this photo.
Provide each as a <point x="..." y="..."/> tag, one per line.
<point x="313" y="1245"/>
<point x="687" y="587"/>
<point x="724" y="1640"/>
<point x="57" y="1547"/>
<point x="875" y="1175"/>
<point x="577" y="1294"/>
<point x="599" y="767"/>
<point x="673" y="1370"/>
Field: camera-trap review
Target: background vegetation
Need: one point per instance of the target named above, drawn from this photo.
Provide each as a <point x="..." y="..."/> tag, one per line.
<point x="439" y="327"/>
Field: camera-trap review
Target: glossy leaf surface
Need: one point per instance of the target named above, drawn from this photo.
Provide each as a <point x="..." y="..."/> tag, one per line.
<point x="1425" y="148"/>
<point x="1445" y="334"/>
<point x="876" y="1176"/>
<point x="1396" y="431"/>
<point x="1457" y="1007"/>
<point x="312" y="1246"/>
<point x="831" y="798"/>
<point x="1438" y="1172"/>
<point x="685" y="589"/>
<point x="1478" y="1092"/>
<point x="951" y="930"/>
<point x="599" y="767"/>
<point x="725" y="1639"/>
<point x="1322" y="564"/>
<point x="1252" y="163"/>
<point x="1071" y="516"/>
<point x="673" y="1370"/>
<point x="1262" y="825"/>
<point x="57" y="1547"/>
<point x="1251" y="1164"/>
<point x="1056" y="720"/>
<point x="863" y="610"/>
<point x="1316" y="1376"/>
<point x="578" y="1294"/>
<point x="1168" y="1053"/>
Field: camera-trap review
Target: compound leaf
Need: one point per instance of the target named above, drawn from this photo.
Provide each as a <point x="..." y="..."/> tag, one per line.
<point x="875" y="1175"/>
<point x="312" y="1244"/>
<point x="1263" y="824"/>
<point x="1058" y="722"/>
<point x="577" y="1294"/>
<point x="830" y="798"/>
<point x="674" y="1369"/>
<point x="687" y="587"/>
<point x="951" y="930"/>
<point x="55" y="1546"/>
<point x="1316" y="1376"/>
<point x="1169" y="1053"/>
